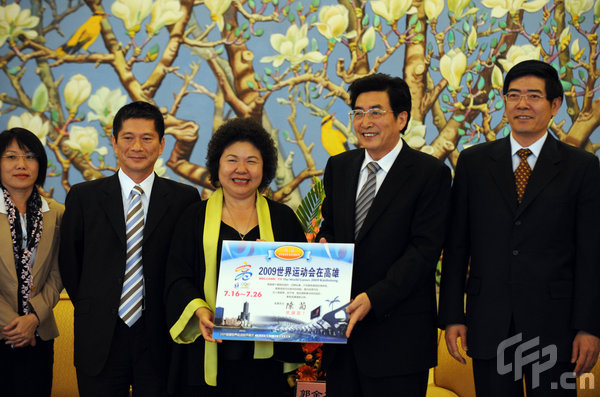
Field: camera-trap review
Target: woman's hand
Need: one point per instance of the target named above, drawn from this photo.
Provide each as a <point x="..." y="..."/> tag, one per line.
<point x="206" y="317"/>
<point x="20" y="332"/>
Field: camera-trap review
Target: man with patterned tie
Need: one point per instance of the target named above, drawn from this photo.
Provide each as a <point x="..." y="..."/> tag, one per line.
<point x="115" y="238"/>
<point x="525" y="215"/>
<point x="390" y="201"/>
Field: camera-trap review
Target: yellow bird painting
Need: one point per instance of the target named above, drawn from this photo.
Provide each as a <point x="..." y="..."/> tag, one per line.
<point x="333" y="140"/>
<point x="84" y="37"/>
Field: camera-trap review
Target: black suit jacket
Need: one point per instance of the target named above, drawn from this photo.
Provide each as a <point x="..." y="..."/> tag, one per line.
<point x="395" y="257"/>
<point x="537" y="262"/>
<point x="92" y="263"/>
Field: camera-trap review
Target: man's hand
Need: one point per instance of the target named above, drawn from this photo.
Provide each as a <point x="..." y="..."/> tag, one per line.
<point x="20" y="332"/>
<point x="205" y="321"/>
<point x="357" y="310"/>
<point x="453" y="332"/>
<point x="585" y="352"/>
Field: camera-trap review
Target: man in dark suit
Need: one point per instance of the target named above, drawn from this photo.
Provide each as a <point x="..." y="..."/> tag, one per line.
<point x="116" y="279"/>
<point x="525" y="214"/>
<point x="391" y="328"/>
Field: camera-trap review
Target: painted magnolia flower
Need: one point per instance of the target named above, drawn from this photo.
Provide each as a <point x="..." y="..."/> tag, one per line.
<point x="415" y="134"/>
<point x="497" y="78"/>
<point x="457" y="8"/>
<point x="452" y="67"/>
<point x="597" y="9"/>
<point x="368" y="40"/>
<point x="77" y="91"/>
<point x="217" y="8"/>
<point x="31" y="122"/>
<point x="576" y="51"/>
<point x="565" y="38"/>
<point x="433" y="8"/>
<point x="291" y="47"/>
<point x="132" y="13"/>
<point x="516" y="54"/>
<point x="333" y="22"/>
<point x="105" y="104"/>
<point x="472" y="39"/>
<point x="164" y="13"/>
<point x="577" y="7"/>
<point x="501" y="7"/>
<point x="159" y="166"/>
<point x="85" y="140"/>
<point x="15" y="22"/>
<point x="392" y="10"/>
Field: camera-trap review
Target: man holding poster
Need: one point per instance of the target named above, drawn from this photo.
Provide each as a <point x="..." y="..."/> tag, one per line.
<point x="390" y="201"/>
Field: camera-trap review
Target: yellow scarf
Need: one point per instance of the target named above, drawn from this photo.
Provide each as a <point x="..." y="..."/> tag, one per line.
<point x="212" y="225"/>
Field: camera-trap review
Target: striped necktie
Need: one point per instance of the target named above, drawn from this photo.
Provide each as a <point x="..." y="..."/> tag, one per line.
<point x="365" y="197"/>
<point x="522" y="173"/>
<point x="130" y="308"/>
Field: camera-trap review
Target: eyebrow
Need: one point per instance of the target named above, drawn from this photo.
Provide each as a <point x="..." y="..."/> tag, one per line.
<point x="530" y="90"/>
<point x="370" y="107"/>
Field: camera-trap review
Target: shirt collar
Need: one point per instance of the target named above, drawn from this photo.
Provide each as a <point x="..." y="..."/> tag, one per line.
<point x="386" y="161"/>
<point x="535" y="147"/>
<point x="127" y="184"/>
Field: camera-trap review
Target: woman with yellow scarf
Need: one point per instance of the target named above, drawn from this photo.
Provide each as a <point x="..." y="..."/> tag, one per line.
<point x="242" y="160"/>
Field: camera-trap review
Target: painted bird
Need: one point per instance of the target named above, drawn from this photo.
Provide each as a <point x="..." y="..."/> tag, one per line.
<point x="333" y="140"/>
<point x="84" y="36"/>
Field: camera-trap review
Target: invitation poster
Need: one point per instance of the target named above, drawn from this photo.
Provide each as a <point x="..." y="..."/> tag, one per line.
<point x="283" y="292"/>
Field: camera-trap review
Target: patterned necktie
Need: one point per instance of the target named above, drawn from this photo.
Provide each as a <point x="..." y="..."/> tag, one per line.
<point x="522" y="173"/>
<point x="365" y="197"/>
<point x="130" y="308"/>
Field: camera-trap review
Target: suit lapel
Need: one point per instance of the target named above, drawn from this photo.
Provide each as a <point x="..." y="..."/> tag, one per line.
<point x="45" y="244"/>
<point x="7" y="255"/>
<point x="392" y="184"/>
<point x="546" y="168"/>
<point x="112" y="204"/>
<point x="159" y="203"/>
<point x="348" y="196"/>
<point x="502" y="173"/>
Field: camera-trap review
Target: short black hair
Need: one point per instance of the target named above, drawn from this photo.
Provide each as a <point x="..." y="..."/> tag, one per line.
<point x="543" y="70"/>
<point x="396" y="88"/>
<point x="242" y="130"/>
<point x="139" y="110"/>
<point x="27" y="140"/>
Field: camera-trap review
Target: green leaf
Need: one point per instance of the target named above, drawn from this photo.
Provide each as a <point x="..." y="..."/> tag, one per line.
<point x="315" y="95"/>
<point x="499" y="105"/>
<point x="413" y="20"/>
<point x="562" y="70"/>
<point x="237" y="32"/>
<point x="582" y="75"/>
<point x="480" y="84"/>
<point x="419" y="27"/>
<point x="506" y="131"/>
<point x="219" y="50"/>
<point x="376" y="21"/>
<point x="316" y="3"/>
<point x="265" y="79"/>
<point x="451" y="38"/>
<point x="252" y="4"/>
<point x="228" y="26"/>
<point x="467" y="125"/>
<point x="270" y="87"/>
<point x="299" y="7"/>
<point x="245" y="26"/>
<point x="256" y="76"/>
<point x="14" y="70"/>
<point x="365" y="21"/>
<point x="581" y="19"/>
<point x="418" y="38"/>
<point x="570" y="65"/>
<point x="291" y="17"/>
<point x="286" y="134"/>
<point x="502" y="24"/>
<point x="314" y="46"/>
<point x="466" y="27"/>
<point x="268" y="71"/>
<point x="459" y="117"/>
<point x="39" y="101"/>
<point x="313" y="19"/>
<point x="503" y="47"/>
<point x="491" y="95"/>
<point x="546" y="29"/>
<point x="446" y="98"/>
<point x="251" y="84"/>
<point x="461" y="132"/>
<point x="259" y="32"/>
<point x="246" y="35"/>
<point x="553" y="22"/>
<point x="494" y="43"/>
<point x="484" y="46"/>
<point x="310" y="206"/>
<point x="444" y="109"/>
<point x="575" y="81"/>
<point x="477" y="68"/>
<point x="54" y="115"/>
<point x="275" y="2"/>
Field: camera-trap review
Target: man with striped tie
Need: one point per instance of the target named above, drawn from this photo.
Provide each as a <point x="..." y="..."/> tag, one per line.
<point x="114" y="242"/>
<point x="390" y="201"/>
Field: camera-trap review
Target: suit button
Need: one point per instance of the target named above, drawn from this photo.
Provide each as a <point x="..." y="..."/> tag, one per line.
<point x="518" y="223"/>
<point x="515" y="252"/>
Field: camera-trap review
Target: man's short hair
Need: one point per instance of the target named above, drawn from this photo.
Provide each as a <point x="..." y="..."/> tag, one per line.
<point x="396" y="88"/>
<point x="543" y="70"/>
<point x="139" y="110"/>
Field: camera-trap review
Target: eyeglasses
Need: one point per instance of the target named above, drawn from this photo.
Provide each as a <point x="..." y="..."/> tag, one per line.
<point x="513" y="97"/>
<point x="373" y="113"/>
<point x="13" y="158"/>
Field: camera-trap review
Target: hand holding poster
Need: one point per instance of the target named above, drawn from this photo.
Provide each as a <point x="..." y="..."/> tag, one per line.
<point x="283" y="292"/>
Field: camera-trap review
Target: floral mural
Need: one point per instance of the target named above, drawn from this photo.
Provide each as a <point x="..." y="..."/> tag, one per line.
<point x="68" y="66"/>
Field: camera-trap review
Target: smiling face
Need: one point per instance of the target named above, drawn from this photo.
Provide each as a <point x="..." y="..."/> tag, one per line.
<point x="240" y="170"/>
<point x="378" y="136"/>
<point x="18" y="174"/>
<point x="137" y="148"/>
<point x="529" y="121"/>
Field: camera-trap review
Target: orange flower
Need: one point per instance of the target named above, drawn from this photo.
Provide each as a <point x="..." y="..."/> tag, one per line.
<point x="310" y="347"/>
<point x="307" y="373"/>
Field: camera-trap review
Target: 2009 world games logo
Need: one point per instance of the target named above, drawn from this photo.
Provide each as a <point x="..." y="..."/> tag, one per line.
<point x="243" y="273"/>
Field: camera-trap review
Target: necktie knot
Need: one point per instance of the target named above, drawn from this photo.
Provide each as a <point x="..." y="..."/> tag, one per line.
<point x="373" y="167"/>
<point x="137" y="191"/>
<point x="523" y="153"/>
